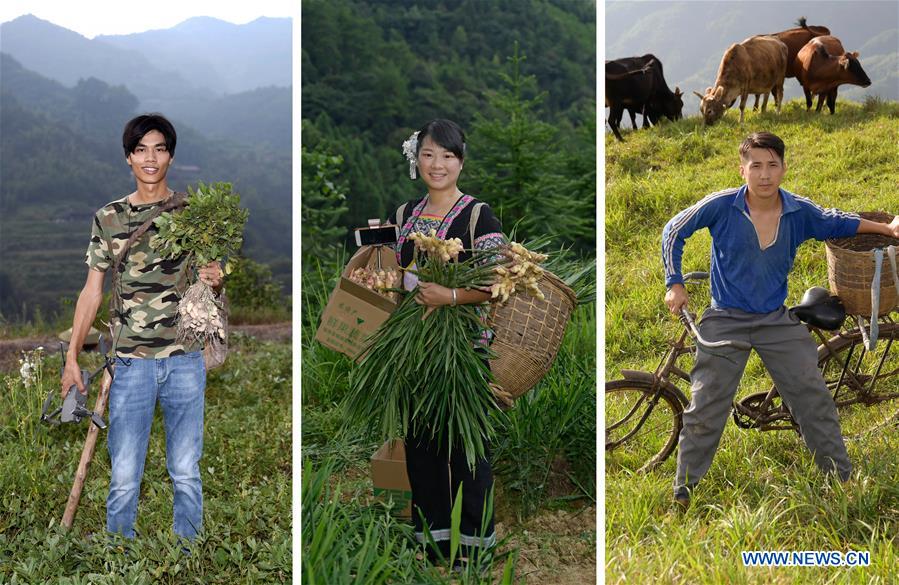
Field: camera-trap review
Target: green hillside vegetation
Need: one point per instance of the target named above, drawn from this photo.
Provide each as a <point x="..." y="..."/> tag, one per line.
<point x="375" y="71"/>
<point x="762" y="492"/>
<point x="62" y="160"/>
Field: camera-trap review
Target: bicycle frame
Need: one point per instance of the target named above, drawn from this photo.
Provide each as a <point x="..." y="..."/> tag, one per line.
<point x="865" y="393"/>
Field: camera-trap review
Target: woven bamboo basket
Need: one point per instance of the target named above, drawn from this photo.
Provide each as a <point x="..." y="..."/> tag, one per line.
<point x="528" y="334"/>
<point x="850" y="269"/>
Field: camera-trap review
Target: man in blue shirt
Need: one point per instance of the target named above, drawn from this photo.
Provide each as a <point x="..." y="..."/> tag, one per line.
<point x="755" y="230"/>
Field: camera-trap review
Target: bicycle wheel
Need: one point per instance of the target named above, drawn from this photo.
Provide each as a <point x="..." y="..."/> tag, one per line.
<point x="864" y="383"/>
<point x="640" y="432"/>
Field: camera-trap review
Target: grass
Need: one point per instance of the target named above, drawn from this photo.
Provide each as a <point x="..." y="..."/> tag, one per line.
<point x="544" y="461"/>
<point x="245" y="469"/>
<point x="37" y="323"/>
<point x="258" y="316"/>
<point x="763" y="491"/>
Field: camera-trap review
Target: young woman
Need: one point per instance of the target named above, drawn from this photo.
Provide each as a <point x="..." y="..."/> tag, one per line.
<point x="437" y="154"/>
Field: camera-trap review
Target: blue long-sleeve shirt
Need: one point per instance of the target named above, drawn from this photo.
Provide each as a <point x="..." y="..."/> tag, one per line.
<point x="744" y="275"/>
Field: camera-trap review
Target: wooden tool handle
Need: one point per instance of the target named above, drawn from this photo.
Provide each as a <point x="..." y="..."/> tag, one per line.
<point x="86" y="454"/>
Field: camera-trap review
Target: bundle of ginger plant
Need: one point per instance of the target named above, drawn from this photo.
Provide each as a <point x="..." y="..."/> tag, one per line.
<point x="430" y="375"/>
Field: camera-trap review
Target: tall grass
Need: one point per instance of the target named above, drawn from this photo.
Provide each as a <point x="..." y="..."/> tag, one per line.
<point x="548" y="442"/>
<point x="762" y="492"/>
<point x="347" y="542"/>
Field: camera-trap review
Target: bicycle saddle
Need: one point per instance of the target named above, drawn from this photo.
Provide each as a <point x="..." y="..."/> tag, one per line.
<point x="820" y="309"/>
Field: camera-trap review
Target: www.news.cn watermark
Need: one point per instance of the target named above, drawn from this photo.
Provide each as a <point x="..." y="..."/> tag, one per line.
<point x="805" y="558"/>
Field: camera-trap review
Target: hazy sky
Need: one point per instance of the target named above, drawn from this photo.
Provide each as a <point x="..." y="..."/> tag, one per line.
<point x="104" y="17"/>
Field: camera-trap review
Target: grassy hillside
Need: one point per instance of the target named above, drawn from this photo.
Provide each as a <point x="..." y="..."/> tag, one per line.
<point x="762" y="492"/>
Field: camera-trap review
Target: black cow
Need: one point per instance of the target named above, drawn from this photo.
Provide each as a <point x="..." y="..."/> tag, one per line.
<point x="637" y="84"/>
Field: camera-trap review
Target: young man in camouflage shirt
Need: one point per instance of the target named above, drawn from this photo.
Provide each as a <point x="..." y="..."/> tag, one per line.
<point x="149" y="364"/>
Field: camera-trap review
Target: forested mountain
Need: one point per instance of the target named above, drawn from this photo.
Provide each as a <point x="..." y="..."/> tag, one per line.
<point x="65" y="56"/>
<point x="219" y="56"/>
<point x="374" y="71"/>
<point x="230" y="81"/>
<point x="258" y="116"/>
<point x="62" y="160"/>
<point x="690" y="38"/>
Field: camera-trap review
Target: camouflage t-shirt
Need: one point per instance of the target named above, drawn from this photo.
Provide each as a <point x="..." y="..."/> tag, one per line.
<point x="150" y="285"/>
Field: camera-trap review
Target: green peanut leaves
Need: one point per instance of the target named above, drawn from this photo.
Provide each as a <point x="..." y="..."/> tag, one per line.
<point x="210" y="227"/>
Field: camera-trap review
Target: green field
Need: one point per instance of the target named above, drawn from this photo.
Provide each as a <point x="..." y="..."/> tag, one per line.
<point x="762" y="491"/>
<point x="245" y="469"/>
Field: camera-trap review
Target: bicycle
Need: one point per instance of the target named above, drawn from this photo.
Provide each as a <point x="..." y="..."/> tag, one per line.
<point x="644" y="410"/>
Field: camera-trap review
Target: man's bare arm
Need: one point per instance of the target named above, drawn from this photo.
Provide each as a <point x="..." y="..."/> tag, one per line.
<point x="85" y="313"/>
<point x="873" y="227"/>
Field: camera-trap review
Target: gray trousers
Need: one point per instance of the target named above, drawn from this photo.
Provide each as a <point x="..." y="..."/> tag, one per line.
<point x="790" y="356"/>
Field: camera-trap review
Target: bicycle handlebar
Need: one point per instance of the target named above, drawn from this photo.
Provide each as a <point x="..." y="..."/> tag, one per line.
<point x="695" y="276"/>
<point x="694" y="330"/>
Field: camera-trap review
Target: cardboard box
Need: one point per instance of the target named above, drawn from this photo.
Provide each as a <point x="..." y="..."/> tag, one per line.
<point x="355" y="312"/>
<point x="389" y="478"/>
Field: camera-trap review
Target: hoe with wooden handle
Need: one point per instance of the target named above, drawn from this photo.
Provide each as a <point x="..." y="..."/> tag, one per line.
<point x="87" y="453"/>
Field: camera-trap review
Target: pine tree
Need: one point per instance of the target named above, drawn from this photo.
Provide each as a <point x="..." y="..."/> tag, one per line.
<point x="524" y="170"/>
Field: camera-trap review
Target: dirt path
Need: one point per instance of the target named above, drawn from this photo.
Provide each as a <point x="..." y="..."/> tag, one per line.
<point x="11" y="349"/>
<point x="267" y="331"/>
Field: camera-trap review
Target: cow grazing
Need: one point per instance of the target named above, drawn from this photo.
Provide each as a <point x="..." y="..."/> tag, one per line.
<point x="756" y="65"/>
<point x="638" y="85"/>
<point x="823" y="65"/>
<point x="795" y="39"/>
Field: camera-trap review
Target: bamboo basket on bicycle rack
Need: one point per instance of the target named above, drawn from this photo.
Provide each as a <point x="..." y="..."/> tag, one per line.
<point x="850" y="269"/>
<point x="528" y="334"/>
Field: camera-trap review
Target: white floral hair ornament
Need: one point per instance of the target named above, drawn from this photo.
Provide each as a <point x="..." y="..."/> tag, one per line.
<point x="410" y="150"/>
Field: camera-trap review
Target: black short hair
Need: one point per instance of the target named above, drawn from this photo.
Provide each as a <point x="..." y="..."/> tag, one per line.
<point x="446" y="134"/>
<point x="764" y="140"/>
<point x="138" y="127"/>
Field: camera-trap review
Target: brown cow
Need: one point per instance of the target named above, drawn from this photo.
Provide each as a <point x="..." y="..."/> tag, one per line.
<point x="796" y="38"/>
<point x="822" y="65"/>
<point x="756" y="65"/>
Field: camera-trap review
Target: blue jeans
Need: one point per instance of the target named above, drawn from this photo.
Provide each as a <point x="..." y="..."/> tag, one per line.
<point x="179" y="383"/>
